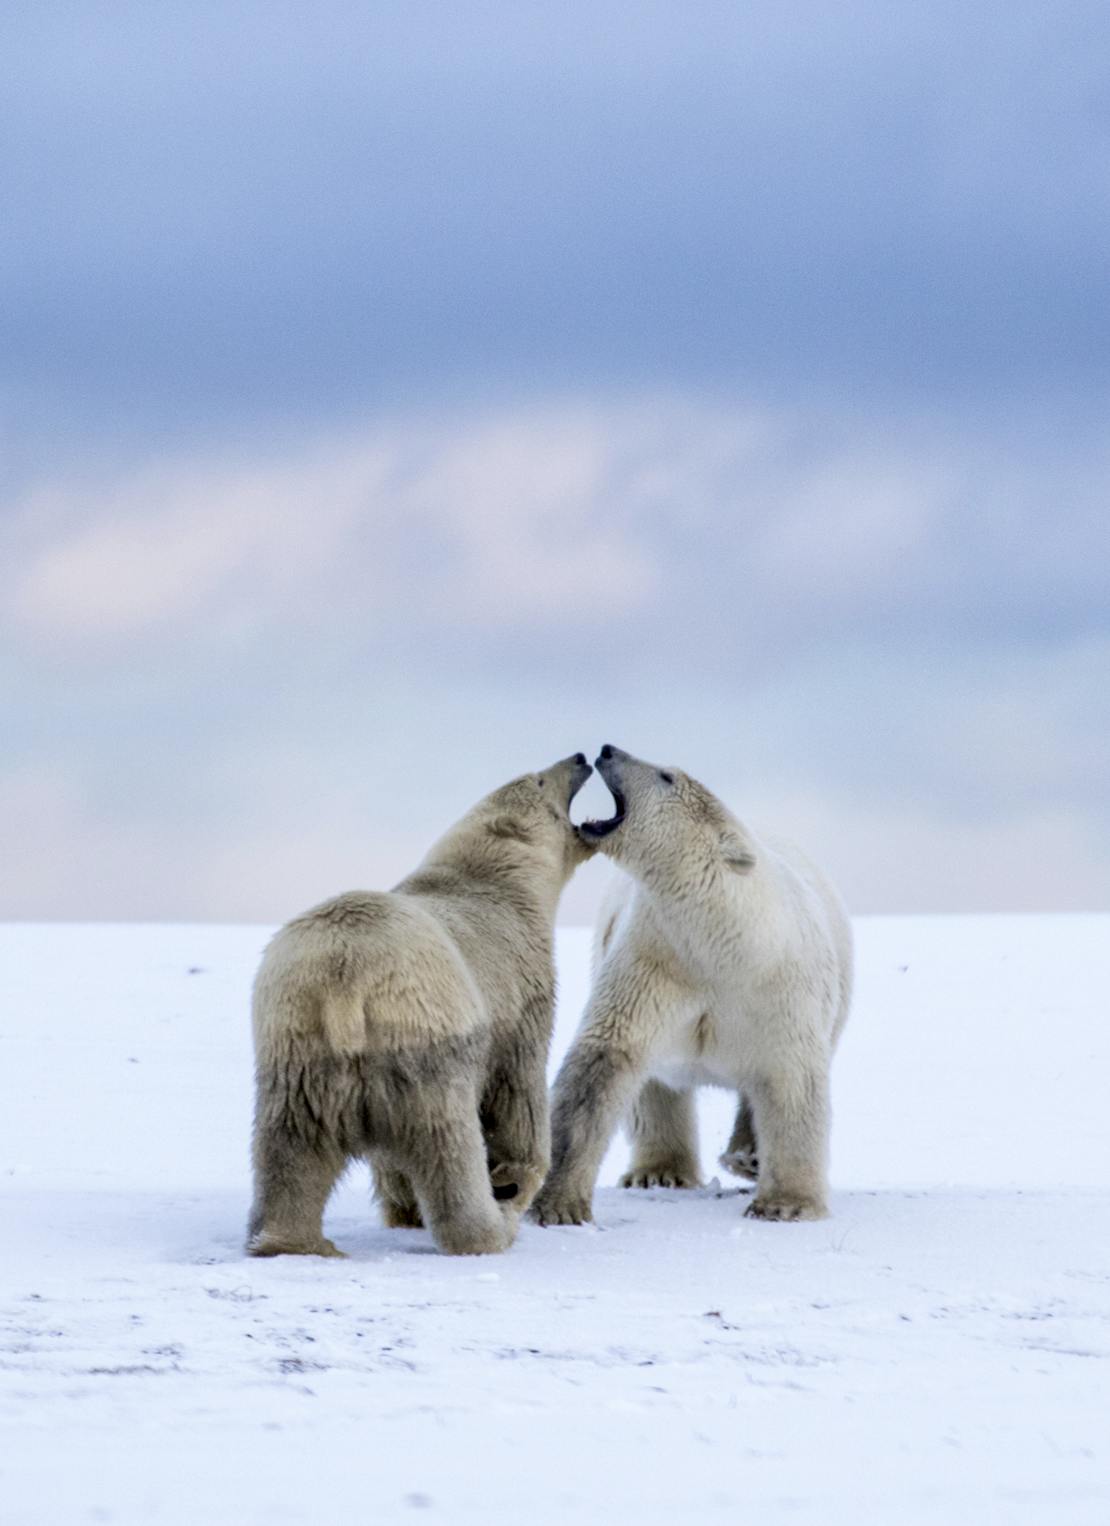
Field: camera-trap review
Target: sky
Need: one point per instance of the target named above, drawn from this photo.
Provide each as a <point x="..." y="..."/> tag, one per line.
<point x="397" y="397"/>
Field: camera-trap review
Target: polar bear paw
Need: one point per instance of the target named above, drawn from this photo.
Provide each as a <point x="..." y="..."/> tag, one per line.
<point x="266" y="1243"/>
<point x="562" y="1208"/>
<point x="477" y="1237"/>
<point x="743" y="1163"/>
<point x="660" y="1176"/>
<point x="784" y="1208"/>
<point x="516" y="1182"/>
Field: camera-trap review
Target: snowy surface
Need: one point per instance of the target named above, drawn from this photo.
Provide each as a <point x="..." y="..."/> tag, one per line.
<point x="937" y="1351"/>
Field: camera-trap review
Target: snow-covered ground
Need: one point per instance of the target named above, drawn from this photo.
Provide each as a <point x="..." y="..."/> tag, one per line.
<point x="937" y="1351"/>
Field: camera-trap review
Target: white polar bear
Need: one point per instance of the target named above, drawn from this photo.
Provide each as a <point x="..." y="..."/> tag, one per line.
<point x="722" y="960"/>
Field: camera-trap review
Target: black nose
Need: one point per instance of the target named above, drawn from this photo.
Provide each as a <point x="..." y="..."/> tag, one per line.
<point x="607" y="752"/>
<point x="580" y="759"/>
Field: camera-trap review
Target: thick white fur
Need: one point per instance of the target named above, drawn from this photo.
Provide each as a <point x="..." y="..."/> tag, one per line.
<point x="721" y="959"/>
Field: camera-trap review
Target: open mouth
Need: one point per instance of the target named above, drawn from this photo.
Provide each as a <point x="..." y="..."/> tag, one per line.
<point x="598" y="829"/>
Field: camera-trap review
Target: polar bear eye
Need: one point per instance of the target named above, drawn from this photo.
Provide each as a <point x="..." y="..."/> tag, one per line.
<point x="666" y="777"/>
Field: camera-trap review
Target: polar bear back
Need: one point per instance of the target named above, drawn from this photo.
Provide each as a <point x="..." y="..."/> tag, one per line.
<point x="366" y="971"/>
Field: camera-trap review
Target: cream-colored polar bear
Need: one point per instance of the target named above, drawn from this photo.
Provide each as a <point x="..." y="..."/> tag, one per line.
<point x="412" y="1027"/>
<point x="721" y="960"/>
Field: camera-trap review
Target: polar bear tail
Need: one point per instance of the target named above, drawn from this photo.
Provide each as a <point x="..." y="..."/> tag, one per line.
<point x="344" y="1020"/>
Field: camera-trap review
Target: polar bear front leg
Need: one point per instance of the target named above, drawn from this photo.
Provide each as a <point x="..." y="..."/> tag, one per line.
<point x="594" y="1086"/>
<point x="791" y="1112"/>
<point x="663" y="1128"/>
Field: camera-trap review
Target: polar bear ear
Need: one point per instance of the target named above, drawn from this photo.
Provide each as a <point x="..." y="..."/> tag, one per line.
<point x="509" y="827"/>
<point x="736" y="853"/>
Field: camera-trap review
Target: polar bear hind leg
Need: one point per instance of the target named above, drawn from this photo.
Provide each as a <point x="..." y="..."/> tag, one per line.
<point x="741" y="1157"/>
<point x="446" y="1160"/>
<point x="293" y="1181"/>
<point x="663" y="1129"/>
<point x="792" y="1126"/>
<point x="397" y="1200"/>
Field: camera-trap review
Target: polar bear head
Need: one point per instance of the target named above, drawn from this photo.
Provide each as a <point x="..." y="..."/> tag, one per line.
<point x="667" y="829"/>
<point x="520" y="837"/>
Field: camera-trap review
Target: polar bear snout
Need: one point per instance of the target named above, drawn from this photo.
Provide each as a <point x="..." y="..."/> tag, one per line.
<point x="580" y="769"/>
<point x="628" y="776"/>
<point x="574" y="771"/>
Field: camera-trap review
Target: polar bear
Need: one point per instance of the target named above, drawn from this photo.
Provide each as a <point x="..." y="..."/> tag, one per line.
<point x="412" y="1027"/>
<point x="721" y="960"/>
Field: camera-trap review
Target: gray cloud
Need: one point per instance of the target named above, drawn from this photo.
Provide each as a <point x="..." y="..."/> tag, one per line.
<point x="665" y="524"/>
<point x="282" y="211"/>
<point x="374" y="628"/>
